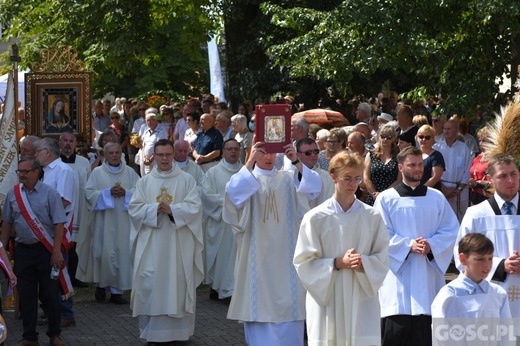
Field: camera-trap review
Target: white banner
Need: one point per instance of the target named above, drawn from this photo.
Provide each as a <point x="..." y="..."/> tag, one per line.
<point x="215" y="72"/>
<point x="8" y="152"/>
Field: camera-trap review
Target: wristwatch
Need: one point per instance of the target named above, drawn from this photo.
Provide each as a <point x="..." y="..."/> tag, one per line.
<point x="295" y="162"/>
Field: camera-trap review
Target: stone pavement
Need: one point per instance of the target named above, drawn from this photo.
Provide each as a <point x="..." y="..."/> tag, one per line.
<point x="110" y="324"/>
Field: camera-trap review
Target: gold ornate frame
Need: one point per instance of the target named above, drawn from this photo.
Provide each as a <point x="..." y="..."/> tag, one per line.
<point x="59" y="77"/>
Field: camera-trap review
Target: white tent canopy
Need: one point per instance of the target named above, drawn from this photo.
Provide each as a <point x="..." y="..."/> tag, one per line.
<point x="21" y="87"/>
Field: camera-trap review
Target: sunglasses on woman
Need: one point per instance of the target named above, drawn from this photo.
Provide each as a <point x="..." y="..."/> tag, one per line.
<point x="387" y="137"/>
<point x="425" y="137"/>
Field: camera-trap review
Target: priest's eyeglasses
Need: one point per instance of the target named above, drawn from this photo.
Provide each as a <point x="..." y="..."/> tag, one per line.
<point x="310" y="152"/>
<point x="164" y="155"/>
<point x="350" y="180"/>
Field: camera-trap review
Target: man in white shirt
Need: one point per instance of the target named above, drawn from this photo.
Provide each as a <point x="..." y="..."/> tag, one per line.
<point x="457" y="158"/>
<point x="498" y="218"/>
<point x="62" y="178"/>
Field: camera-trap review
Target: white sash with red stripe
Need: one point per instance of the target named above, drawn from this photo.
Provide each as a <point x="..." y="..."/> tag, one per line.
<point x="45" y="238"/>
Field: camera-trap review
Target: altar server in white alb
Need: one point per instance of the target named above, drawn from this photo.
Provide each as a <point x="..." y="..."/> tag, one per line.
<point x="220" y="244"/>
<point x="104" y="239"/>
<point x="470" y="295"/>
<point x="166" y="248"/>
<point x="262" y="205"/>
<point x="498" y="218"/>
<point x="342" y="259"/>
<point x="422" y="228"/>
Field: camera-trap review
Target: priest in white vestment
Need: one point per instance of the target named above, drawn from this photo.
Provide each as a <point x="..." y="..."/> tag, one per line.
<point x="220" y="246"/>
<point x="104" y="241"/>
<point x="181" y="149"/>
<point x="262" y="205"/>
<point x="342" y="259"/>
<point x="499" y="219"/>
<point x="422" y="229"/>
<point x="166" y="249"/>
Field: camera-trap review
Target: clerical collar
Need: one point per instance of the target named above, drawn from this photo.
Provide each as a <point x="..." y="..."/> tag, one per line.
<point x="70" y="159"/>
<point x="230" y="165"/>
<point x="165" y="172"/>
<point x="407" y="191"/>
<point x="115" y="169"/>
<point x="260" y="171"/>
<point x="181" y="164"/>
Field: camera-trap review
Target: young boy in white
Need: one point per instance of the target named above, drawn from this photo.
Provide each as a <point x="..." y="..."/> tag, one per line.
<point x="470" y="299"/>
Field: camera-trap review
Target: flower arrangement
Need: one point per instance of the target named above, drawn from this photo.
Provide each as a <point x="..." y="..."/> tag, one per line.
<point x="135" y="139"/>
<point x="157" y="101"/>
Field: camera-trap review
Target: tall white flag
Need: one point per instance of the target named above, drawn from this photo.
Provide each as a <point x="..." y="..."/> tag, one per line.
<point x="215" y="72"/>
<point x="8" y="152"/>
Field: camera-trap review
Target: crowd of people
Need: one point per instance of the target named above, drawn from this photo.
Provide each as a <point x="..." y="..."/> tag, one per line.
<point x="350" y="229"/>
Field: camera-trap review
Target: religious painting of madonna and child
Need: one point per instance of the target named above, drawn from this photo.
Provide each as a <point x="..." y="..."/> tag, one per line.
<point x="273" y="127"/>
<point x="60" y="110"/>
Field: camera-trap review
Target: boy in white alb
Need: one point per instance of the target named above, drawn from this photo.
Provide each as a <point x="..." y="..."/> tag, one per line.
<point x="470" y="299"/>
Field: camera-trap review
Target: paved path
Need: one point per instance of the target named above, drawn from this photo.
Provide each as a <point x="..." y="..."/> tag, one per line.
<point x="110" y="324"/>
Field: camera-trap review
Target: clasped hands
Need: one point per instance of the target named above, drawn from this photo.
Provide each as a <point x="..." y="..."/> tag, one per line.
<point x="421" y="246"/>
<point x="351" y="260"/>
<point x="164" y="208"/>
<point x="117" y="191"/>
<point x="512" y="263"/>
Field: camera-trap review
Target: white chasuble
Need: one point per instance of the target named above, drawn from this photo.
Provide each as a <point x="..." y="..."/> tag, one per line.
<point x="104" y="240"/>
<point x="342" y="306"/>
<point x="166" y="254"/>
<point x="263" y="208"/>
<point x="219" y="242"/>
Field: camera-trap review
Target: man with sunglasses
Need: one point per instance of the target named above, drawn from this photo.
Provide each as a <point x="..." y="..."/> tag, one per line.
<point x="307" y="152"/>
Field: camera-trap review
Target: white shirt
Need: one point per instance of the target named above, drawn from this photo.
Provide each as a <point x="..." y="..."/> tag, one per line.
<point x="61" y="177"/>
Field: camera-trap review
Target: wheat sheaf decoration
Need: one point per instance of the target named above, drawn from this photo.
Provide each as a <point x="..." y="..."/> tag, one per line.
<point x="504" y="133"/>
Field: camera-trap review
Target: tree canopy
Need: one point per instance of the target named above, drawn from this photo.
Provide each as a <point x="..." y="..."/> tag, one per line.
<point x="457" y="48"/>
<point x="131" y="46"/>
<point x="454" y="47"/>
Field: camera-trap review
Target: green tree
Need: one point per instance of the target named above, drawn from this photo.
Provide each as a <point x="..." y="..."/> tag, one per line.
<point x="131" y="46"/>
<point x="454" y="47"/>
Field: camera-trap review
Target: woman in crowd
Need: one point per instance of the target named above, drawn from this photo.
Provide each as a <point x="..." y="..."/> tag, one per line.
<point x="335" y="143"/>
<point x="341" y="257"/>
<point x="244" y="137"/>
<point x="432" y="159"/>
<point x="381" y="170"/>
<point x="121" y="132"/>
<point x="191" y="134"/>
<point x="479" y="178"/>
<point x="321" y="138"/>
<point x="168" y="121"/>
